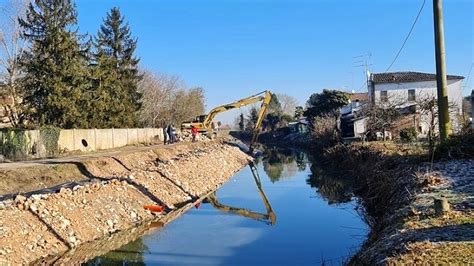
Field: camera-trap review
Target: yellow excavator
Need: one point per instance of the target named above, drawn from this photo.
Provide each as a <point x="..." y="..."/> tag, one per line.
<point x="205" y="124"/>
<point x="269" y="217"/>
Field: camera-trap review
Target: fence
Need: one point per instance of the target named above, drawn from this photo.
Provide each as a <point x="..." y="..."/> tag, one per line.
<point x="87" y="140"/>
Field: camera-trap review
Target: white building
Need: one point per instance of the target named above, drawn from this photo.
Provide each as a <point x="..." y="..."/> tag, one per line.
<point x="408" y="88"/>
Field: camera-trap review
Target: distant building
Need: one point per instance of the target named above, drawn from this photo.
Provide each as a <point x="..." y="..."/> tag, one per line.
<point x="300" y="126"/>
<point x="352" y="120"/>
<point x="404" y="91"/>
<point x="407" y="89"/>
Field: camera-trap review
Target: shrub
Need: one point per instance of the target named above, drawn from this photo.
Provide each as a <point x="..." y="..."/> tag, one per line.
<point x="324" y="132"/>
<point x="408" y="134"/>
<point x="14" y="144"/>
<point x="49" y="137"/>
<point x="457" y="147"/>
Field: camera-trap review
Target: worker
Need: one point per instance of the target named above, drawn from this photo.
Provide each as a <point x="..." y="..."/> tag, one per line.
<point x="173" y="133"/>
<point x="194" y="132"/>
<point x="165" y="135"/>
<point x="169" y="130"/>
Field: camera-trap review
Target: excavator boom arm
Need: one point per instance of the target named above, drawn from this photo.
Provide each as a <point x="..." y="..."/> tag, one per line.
<point x="237" y="104"/>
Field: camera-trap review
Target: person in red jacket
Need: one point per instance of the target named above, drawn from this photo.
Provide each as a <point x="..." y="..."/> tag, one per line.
<point x="194" y="132"/>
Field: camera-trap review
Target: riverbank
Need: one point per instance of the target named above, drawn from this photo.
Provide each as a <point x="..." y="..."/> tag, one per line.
<point x="397" y="189"/>
<point x="108" y="196"/>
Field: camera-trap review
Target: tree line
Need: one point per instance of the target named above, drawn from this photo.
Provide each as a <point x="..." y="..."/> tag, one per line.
<point x="56" y="76"/>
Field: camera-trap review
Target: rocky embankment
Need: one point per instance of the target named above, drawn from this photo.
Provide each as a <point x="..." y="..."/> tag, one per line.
<point x="110" y="198"/>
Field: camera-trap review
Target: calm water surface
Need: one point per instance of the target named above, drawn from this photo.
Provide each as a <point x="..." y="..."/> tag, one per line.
<point x="316" y="222"/>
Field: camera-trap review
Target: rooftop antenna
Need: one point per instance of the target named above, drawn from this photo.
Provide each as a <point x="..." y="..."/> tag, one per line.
<point x="364" y="61"/>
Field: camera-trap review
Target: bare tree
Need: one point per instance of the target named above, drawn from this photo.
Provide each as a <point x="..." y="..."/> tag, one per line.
<point x="167" y="100"/>
<point x="427" y="106"/>
<point x="12" y="48"/>
<point x="382" y="115"/>
<point x="158" y="92"/>
<point x="288" y="103"/>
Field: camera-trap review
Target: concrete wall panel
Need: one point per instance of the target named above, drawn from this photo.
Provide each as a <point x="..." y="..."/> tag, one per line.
<point x="120" y="137"/>
<point x="84" y="139"/>
<point x="133" y="136"/>
<point x="66" y="140"/>
<point x="104" y="139"/>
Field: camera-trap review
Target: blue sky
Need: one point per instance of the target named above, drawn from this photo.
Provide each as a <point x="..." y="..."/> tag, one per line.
<point x="236" y="48"/>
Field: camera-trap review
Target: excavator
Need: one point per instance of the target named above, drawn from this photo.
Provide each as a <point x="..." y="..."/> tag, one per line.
<point x="204" y="123"/>
<point x="268" y="218"/>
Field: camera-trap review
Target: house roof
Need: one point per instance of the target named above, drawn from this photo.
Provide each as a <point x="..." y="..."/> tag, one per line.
<point x="361" y="97"/>
<point x="408" y="76"/>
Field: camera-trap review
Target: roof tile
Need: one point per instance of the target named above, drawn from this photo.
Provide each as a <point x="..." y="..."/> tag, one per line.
<point x="408" y="76"/>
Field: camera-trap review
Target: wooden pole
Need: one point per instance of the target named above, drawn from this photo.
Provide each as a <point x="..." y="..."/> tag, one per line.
<point x="441" y="79"/>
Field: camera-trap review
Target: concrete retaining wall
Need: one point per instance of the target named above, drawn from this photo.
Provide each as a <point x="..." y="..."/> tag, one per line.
<point x="101" y="139"/>
<point x="88" y="140"/>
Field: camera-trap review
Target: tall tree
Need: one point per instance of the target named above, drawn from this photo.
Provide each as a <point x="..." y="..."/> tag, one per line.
<point x="252" y="119"/>
<point x="116" y="96"/>
<point x="12" y="48"/>
<point x="55" y="66"/>
<point x="167" y="100"/>
<point x="241" y="122"/>
<point x="274" y="106"/>
<point x="288" y="103"/>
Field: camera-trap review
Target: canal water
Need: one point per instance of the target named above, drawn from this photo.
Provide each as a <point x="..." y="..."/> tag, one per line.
<point x="310" y="218"/>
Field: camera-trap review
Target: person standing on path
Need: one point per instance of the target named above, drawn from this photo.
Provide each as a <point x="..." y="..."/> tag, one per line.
<point x="194" y="132"/>
<point x="173" y="133"/>
<point x="165" y="135"/>
<point x="170" y="134"/>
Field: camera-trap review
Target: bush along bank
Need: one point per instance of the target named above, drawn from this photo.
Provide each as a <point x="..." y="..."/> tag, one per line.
<point x="418" y="212"/>
<point x="113" y="199"/>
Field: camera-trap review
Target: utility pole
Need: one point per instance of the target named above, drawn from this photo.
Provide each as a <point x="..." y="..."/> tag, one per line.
<point x="472" y="108"/>
<point x="441" y="79"/>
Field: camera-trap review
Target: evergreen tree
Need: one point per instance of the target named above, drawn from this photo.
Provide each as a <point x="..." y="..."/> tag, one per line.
<point x="299" y="112"/>
<point x="274" y="106"/>
<point x="55" y="66"/>
<point x="115" y="97"/>
<point x="241" y="122"/>
<point x="326" y="102"/>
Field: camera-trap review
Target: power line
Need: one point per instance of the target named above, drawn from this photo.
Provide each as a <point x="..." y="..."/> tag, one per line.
<point x="361" y="87"/>
<point x="408" y="36"/>
<point x="466" y="81"/>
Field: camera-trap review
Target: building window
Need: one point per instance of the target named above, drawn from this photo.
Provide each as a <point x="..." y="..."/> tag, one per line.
<point x="383" y="96"/>
<point x="411" y="95"/>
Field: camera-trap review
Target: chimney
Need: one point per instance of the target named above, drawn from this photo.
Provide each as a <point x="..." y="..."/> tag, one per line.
<point x="371" y="87"/>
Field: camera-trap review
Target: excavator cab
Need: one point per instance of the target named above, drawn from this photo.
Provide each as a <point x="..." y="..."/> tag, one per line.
<point x="200" y="119"/>
<point x="268" y="218"/>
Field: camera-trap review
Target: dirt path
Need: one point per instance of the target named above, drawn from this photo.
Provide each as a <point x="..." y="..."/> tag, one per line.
<point x="26" y="176"/>
<point x="79" y="157"/>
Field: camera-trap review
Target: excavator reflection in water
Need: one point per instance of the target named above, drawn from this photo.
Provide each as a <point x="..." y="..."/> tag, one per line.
<point x="268" y="218"/>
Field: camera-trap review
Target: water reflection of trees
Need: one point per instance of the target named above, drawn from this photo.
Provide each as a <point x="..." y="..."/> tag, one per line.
<point x="334" y="188"/>
<point x="281" y="163"/>
<point x="129" y="254"/>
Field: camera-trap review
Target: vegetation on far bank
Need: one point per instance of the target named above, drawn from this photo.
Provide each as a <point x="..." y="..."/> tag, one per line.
<point x="396" y="184"/>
